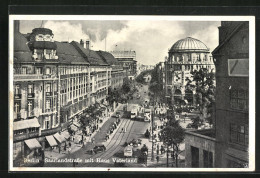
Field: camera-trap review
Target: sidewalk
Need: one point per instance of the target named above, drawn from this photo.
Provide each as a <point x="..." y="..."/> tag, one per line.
<point x="99" y="136"/>
<point x="162" y="157"/>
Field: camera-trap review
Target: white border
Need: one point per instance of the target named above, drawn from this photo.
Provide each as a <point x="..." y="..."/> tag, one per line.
<point x="251" y="20"/>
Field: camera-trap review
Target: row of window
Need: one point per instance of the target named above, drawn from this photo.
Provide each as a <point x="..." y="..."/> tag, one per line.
<point x="198" y="57"/>
<point x="30" y="70"/>
<point x="44" y="54"/>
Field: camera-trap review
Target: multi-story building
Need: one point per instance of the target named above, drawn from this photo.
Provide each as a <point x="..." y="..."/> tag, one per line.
<point x="117" y="73"/>
<point x="53" y="83"/>
<point x="232" y="84"/>
<point x="160" y="70"/>
<point x="100" y="72"/>
<point x="127" y="60"/>
<point x="35" y="83"/>
<point x="184" y="56"/>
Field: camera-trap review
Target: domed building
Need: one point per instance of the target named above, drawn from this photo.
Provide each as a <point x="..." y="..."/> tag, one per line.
<point x="184" y="56"/>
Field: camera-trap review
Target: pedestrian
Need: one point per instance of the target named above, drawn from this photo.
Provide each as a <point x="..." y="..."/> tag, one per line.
<point x="122" y="129"/>
<point x="69" y="144"/>
<point x="74" y="164"/>
<point x="157" y="158"/>
<point x="59" y="148"/>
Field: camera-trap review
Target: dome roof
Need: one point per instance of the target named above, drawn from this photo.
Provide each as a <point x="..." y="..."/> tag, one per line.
<point x="189" y="45"/>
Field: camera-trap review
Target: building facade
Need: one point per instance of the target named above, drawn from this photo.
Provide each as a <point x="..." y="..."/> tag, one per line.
<point x="127" y="60"/>
<point x="232" y="78"/>
<point x="184" y="56"/>
<point x="117" y="72"/>
<point x="53" y="83"/>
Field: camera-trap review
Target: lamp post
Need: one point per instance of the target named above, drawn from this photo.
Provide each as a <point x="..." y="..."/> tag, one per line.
<point x="152" y="130"/>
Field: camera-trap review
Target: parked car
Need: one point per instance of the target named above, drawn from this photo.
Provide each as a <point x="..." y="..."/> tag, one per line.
<point x="118" y="114"/>
<point x="98" y="149"/>
<point x="135" y="142"/>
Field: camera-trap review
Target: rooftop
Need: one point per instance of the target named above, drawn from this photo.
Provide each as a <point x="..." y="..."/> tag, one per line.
<point x="189" y="44"/>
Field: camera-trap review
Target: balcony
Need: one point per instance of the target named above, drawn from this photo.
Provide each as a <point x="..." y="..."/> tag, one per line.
<point x="75" y="100"/>
<point x="50" y="131"/>
<point x="25" y="136"/>
<point x="26" y="77"/>
<point x="30" y="95"/>
<point x="17" y="96"/>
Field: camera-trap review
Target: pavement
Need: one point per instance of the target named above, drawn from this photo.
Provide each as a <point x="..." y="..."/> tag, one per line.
<point x="99" y="136"/>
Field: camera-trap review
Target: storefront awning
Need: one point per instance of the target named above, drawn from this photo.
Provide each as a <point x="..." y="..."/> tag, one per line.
<point x="59" y="137"/>
<point x="51" y="140"/>
<point x="73" y="128"/>
<point x="65" y="134"/>
<point x="25" y="124"/>
<point x="33" y="143"/>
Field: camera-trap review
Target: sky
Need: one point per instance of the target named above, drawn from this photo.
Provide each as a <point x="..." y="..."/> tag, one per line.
<point x="150" y="39"/>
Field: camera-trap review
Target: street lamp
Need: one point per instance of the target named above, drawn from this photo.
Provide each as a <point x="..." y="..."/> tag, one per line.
<point x="152" y="131"/>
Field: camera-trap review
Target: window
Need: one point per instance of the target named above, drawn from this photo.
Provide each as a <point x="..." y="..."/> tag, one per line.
<point x="48" y="87"/>
<point x="47" y="122"/>
<point x="48" y="54"/>
<point x="24" y="70"/>
<point x="30" y="108"/>
<point x="48" y="105"/>
<point x="48" y="70"/>
<point x="39" y="53"/>
<point x="239" y="134"/>
<point x="38" y="70"/>
<point x="17" y="89"/>
<point x="239" y="99"/>
<point x="30" y="88"/>
<point x="207" y="159"/>
<point x="17" y="107"/>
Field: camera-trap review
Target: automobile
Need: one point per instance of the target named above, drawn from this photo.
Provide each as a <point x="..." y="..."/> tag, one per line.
<point x="98" y="149"/>
<point x="135" y="142"/>
<point x="128" y="151"/>
<point x="118" y="114"/>
<point x="139" y="118"/>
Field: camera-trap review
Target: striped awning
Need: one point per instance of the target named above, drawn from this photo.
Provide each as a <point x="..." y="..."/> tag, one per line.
<point x="51" y="140"/>
<point x="25" y="124"/>
<point x="73" y="128"/>
<point x="65" y="134"/>
<point x="32" y="143"/>
<point x="59" y="137"/>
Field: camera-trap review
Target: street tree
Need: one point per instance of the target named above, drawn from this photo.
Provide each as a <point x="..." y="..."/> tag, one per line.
<point x="203" y="82"/>
<point x="173" y="135"/>
<point x="126" y="87"/>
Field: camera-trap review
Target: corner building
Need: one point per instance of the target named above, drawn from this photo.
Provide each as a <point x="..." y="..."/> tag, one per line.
<point x="53" y="83"/>
<point x="184" y="56"/>
<point x="232" y="84"/>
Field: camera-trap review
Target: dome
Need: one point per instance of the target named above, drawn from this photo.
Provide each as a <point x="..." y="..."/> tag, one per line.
<point x="189" y="45"/>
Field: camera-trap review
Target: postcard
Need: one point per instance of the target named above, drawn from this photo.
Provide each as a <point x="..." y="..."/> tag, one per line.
<point x="131" y="93"/>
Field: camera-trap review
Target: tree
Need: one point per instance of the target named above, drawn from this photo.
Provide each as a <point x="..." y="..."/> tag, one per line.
<point x="126" y="87"/>
<point x="203" y="83"/>
<point x="140" y="77"/>
<point x="173" y="135"/>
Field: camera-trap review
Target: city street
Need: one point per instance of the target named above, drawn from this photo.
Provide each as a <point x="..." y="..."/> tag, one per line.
<point x="114" y="145"/>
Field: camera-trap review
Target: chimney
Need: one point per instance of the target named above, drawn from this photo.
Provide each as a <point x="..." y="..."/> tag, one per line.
<point x="87" y="44"/>
<point x="16" y="25"/>
<point x="81" y="43"/>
